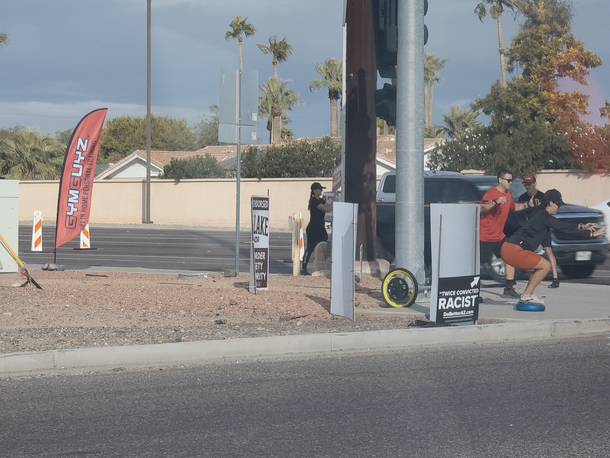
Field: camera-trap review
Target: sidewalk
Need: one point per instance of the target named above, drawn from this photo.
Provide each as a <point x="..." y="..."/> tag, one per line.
<point x="571" y="301"/>
<point x="571" y="310"/>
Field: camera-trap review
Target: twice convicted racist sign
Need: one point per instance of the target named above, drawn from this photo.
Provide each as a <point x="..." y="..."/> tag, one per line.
<point x="259" y="253"/>
<point x="458" y="299"/>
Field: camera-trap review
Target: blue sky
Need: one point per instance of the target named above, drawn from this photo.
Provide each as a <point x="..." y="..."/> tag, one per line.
<point x="68" y="57"/>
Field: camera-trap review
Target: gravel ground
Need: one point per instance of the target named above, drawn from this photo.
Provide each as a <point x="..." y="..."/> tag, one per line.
<point x="78" y="309"/>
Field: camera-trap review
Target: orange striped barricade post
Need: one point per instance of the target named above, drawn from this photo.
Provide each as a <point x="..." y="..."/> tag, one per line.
<point x="85" y="242"/>
<point x="37" y="232"/>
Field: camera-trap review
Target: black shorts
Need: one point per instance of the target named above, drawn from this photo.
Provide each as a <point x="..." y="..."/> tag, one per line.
<point x="487" y="248"/>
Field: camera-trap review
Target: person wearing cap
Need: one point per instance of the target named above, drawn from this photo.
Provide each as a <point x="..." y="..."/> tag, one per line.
<point x="519" y="249"/>
<point x="533" y="197"/>
<point x="316" y="229"/>
<point x="495" y="206"/>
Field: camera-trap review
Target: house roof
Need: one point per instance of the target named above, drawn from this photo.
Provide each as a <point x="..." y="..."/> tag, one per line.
<point x="161" y="158"/>
<point x="226" y="154"/>
<point x="386" y="146"/>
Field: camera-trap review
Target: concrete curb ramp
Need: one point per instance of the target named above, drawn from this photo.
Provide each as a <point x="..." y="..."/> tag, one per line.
<point x="105" y="358"/>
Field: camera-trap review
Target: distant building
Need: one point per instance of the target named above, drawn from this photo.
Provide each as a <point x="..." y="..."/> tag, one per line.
<point x="134" y="165"/>
<point x="386" y="152"/>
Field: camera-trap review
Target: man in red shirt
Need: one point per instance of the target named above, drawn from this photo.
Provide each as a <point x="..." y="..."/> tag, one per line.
<point x="495" y="206"/>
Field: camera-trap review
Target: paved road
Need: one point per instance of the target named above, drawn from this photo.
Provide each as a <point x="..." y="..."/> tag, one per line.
<point x="153" y="247"/>
<point x="512" y="400"/>
<point x="178" y="248"/>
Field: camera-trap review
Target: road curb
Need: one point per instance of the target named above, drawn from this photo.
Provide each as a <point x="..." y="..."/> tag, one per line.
<point x="106" y="358"/>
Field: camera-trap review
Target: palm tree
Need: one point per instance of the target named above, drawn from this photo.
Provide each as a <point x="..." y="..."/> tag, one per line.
<point x="3" y="38"/>
<point x="432" y="65"/>
<point x="276" y="100"/>
<point x="278" y="49"/>
<point x="265" y="106"/>
<point x="460" y="121"/>
<point x="331" y="72"/>
<point x="240" y="27"/>
<point x="25" y="155"/>
<point x="434" y="132"/>
<point x="496" y="8"/>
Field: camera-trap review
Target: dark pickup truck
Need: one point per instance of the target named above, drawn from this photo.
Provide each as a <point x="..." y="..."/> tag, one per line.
<point x="576" y="258"/>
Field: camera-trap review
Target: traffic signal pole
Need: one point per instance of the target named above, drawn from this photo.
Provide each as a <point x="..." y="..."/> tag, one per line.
<point x="410" y="138"/>
<point x="360" y="124"/>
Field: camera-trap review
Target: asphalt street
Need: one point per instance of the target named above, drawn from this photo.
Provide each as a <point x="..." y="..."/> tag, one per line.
<point x="171" y="248"/>
<point x="528" y="399"/>
<point x="153" y="247"/>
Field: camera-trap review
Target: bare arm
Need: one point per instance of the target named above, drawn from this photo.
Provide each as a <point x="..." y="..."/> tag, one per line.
<point x="549" y="252"/>
<point x="489" y="204"/>
<point x="521" y="206"/>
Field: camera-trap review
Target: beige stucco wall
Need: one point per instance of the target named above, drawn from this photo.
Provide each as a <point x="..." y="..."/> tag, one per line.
<point x="576" y="188"/>
<point x="211" y="203"/>
<point x="208" y="203"/>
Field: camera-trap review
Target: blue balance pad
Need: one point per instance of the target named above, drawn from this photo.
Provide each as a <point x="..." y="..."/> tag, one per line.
<point x="527" y="307"/>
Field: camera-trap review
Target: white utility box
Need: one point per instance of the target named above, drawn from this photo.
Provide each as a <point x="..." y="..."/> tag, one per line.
<point x="9" y="223"/>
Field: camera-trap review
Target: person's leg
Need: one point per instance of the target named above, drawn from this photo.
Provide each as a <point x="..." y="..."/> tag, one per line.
<point x="549" y="253"/>
<point x="486" y="249"/>
<point x="540" y="271"/>
<point x="509" y="274"/>
<point x="509" y="287"/>
<point x="311" y="245"/>
<point x="509" y="271"/>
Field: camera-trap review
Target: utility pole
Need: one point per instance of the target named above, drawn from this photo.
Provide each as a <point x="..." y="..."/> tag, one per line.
<point x="410" y="138"/>
<point x="361" y="123"/>
<point x="148" y="127"/>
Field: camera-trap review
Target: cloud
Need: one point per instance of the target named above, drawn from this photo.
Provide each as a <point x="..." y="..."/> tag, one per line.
<point x="51" y="117"/>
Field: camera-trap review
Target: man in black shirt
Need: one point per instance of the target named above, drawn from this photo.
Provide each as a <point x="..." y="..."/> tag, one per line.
<point x="533" y="197"/>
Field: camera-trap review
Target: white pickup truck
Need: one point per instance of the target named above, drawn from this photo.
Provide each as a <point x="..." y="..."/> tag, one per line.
<point x="577" y="258"/>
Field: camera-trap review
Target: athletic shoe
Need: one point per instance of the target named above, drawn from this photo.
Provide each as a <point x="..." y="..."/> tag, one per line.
<point x="304" y="272"/>
<point x="509" y="291"/>
<point x="555" y="283"/>
<point x="530" y="299"/>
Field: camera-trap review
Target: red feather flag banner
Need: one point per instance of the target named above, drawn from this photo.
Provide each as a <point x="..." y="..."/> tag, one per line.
<point x="77" y="174"/>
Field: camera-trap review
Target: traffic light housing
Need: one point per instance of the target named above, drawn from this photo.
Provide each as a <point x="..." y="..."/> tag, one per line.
<point x="425" y="26"/>
<point x="385" y="104"/>
<point x="385" y="26"/>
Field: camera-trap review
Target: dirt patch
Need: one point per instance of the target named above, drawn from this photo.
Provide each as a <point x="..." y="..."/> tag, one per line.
<point x="84" y="309"/>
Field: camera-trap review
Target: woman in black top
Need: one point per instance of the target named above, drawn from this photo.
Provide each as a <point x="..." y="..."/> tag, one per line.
<point x="519" y="249"/>
<point x="316" y="230"/>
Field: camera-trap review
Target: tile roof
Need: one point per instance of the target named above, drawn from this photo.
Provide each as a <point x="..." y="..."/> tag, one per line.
<point x="386" y="146"/>
<point x="386" y="149"/>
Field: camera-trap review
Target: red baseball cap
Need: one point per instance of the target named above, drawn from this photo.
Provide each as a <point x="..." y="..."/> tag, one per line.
<point x="529" y="179"/>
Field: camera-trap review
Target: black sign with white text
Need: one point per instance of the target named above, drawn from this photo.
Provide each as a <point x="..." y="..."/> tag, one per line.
<point x="458" y="299"/>
<point x="259" y="256"/>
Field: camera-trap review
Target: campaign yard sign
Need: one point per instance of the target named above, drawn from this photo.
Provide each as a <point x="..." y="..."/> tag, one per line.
<point x="454" y="235"/>
<point x="457" y="299"/>
<point x="259" y="253"/>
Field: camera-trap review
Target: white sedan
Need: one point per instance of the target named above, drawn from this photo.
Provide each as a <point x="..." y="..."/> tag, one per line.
<point x="604" y="206"/>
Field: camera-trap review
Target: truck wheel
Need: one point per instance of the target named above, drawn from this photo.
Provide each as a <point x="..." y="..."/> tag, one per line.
<point x="496" y="269"/>
<point x="399" y="288"/>
<point x="578" y="270"/>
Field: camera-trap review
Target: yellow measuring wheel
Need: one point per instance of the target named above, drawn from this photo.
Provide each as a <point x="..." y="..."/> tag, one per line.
<point x="399" y="288"/>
